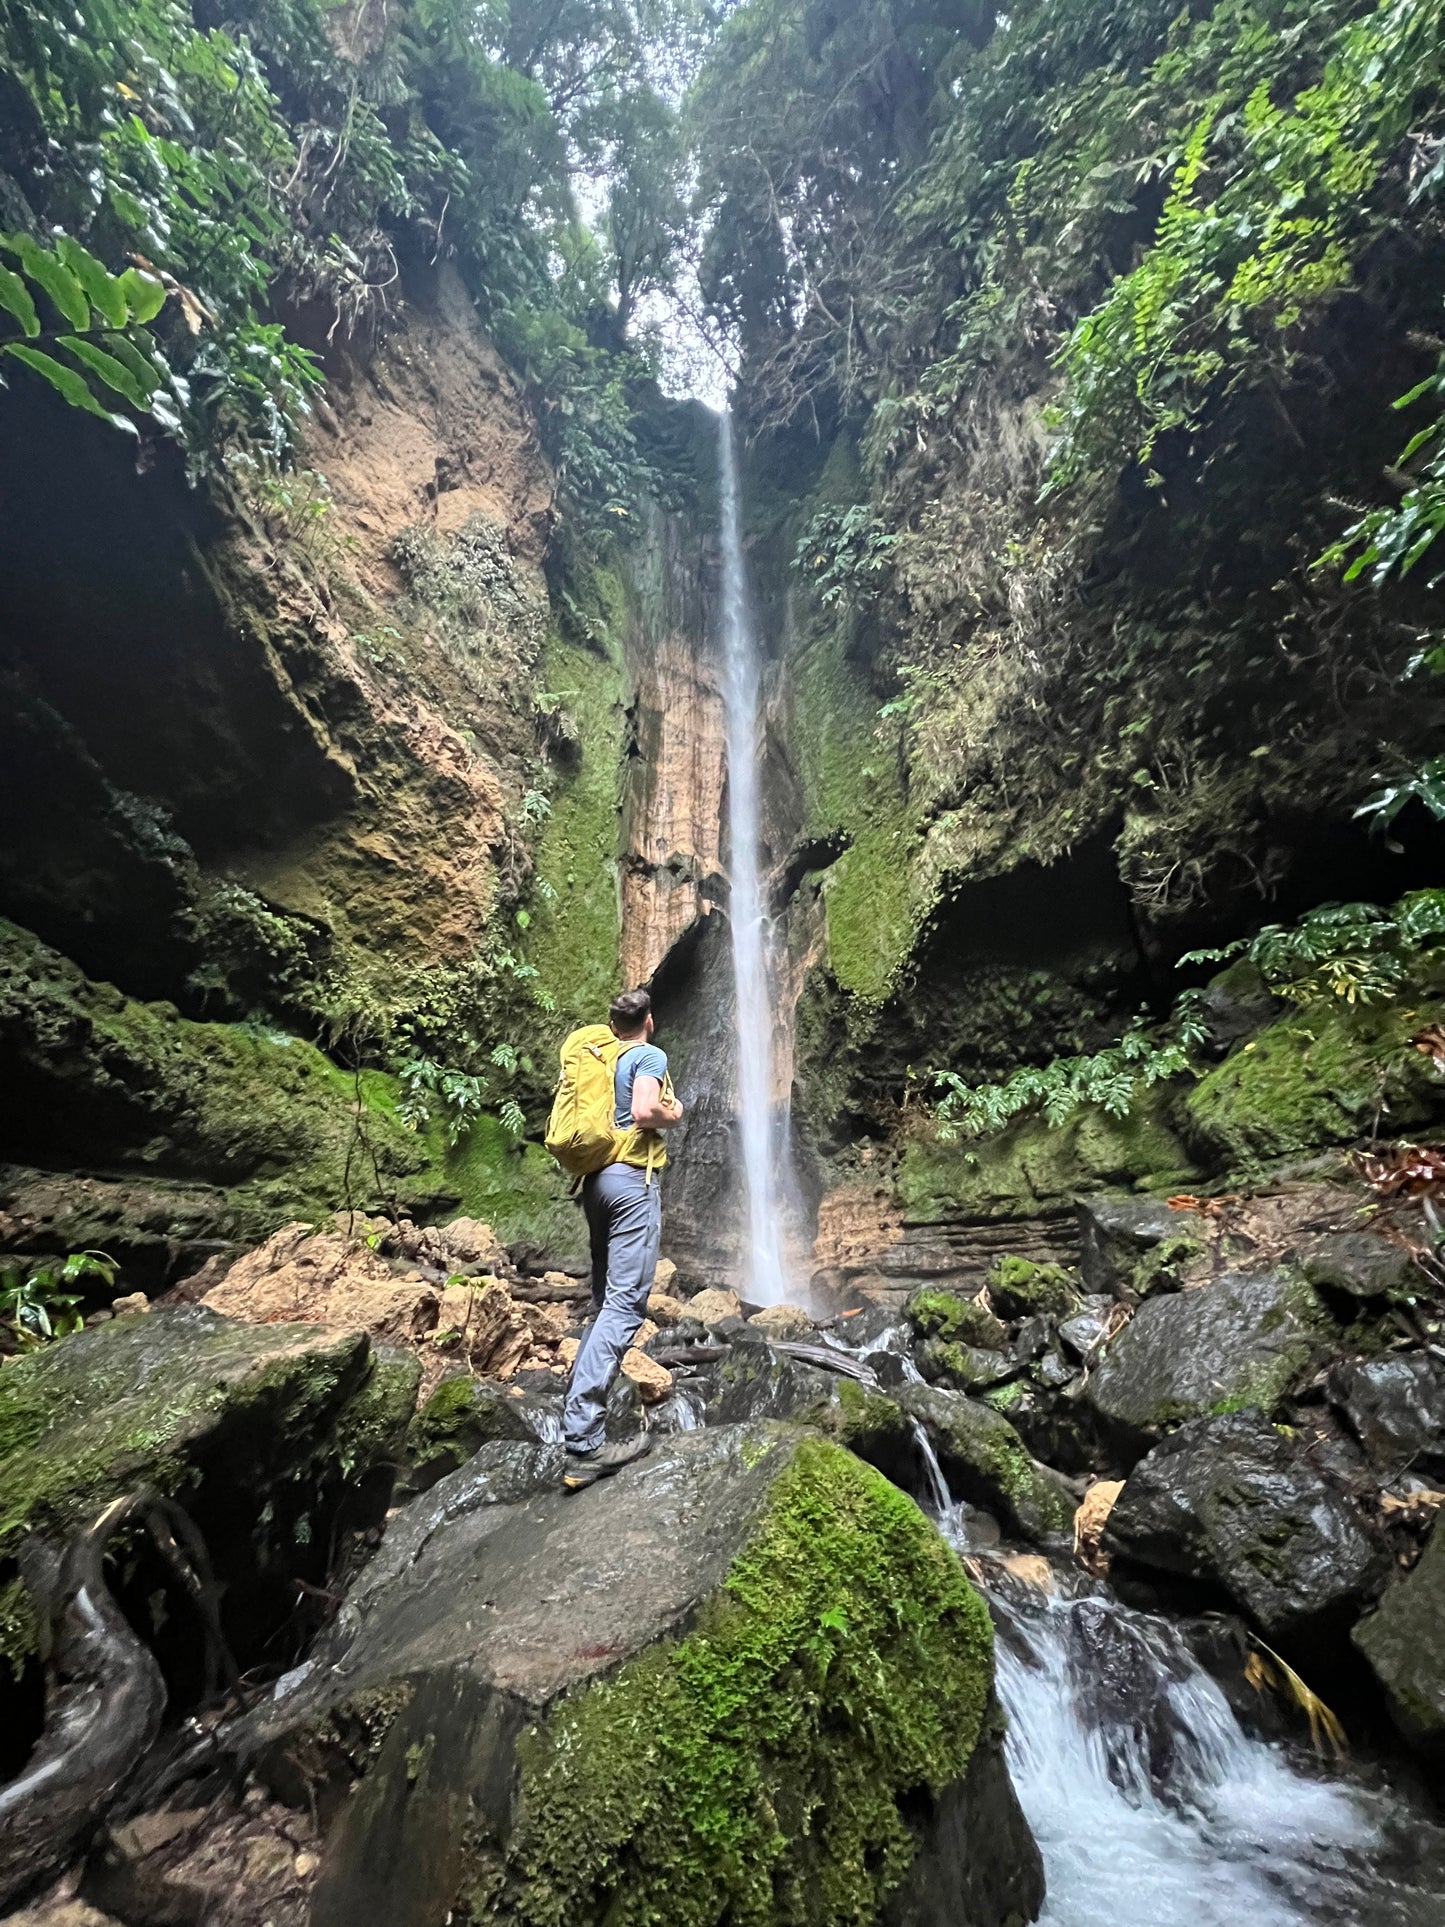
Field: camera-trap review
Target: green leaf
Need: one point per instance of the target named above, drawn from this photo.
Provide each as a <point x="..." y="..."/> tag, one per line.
<point x="111" y="371"/>
<point x="145" y="295"/>
<point x="141" y="359"/>
<point x="15" y="300"/>
<point x="71" y="385"/>
<point x="103" y="288"/>
<point x="49" y="273"/>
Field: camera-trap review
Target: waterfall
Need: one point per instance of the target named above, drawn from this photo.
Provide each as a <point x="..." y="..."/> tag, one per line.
<point x="1154" y="1808"/>
<point x="761" y="1140"/>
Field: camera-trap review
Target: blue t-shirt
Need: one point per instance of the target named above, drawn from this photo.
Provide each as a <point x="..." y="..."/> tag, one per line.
<point x="646" y="1058"/>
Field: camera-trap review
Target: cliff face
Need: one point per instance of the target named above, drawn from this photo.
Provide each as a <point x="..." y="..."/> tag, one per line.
<point x="267" y="757"/>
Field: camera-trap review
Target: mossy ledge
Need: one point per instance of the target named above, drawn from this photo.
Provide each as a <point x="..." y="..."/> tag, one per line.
<point x="758" y="1769"/>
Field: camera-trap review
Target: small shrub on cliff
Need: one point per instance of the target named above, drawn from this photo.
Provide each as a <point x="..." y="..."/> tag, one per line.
<point x="1113" y="1078"/>
<point x="1356" y="951"/>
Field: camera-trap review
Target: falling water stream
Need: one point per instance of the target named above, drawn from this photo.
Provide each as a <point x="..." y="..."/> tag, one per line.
<point x="1151" y="1804"/>
<point x="760" y="1139"/>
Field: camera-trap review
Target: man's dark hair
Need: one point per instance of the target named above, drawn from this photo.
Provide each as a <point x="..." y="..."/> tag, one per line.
<point x="629" y="1011"/>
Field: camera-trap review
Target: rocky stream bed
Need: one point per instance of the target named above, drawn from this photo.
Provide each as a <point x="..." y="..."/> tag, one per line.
<point x="931" y="1608"/>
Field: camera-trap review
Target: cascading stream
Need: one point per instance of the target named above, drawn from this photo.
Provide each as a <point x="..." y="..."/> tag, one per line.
<point x="1154" y="1808"/>
<point x="761" y="1139"/>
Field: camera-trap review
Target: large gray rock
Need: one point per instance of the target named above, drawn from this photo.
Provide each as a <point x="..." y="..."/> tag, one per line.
<point x="1115" y="1233"/>
<point x="986" y="1462"/>
<point x="1362" y="1264"/>
<point x="1230" y="1502"/>
<point x="1237" y="1343"/>
<point x="1396" y="1409"/>
<point x="744" y="1676"/>
<point x="1404" y="1642"/>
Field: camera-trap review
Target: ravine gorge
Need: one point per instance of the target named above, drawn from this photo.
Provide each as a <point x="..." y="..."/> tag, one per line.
<point x="915" y="532"/>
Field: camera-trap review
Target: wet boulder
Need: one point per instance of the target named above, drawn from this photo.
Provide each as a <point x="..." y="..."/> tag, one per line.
<point x="966" y="1368"/>
<point x="1232" y="1504"/>
<point x="260" y="1430"/>
<point x="1396" y="1409"/>
<point x="1241" y="1342"/>
<point x="744" y="1678"/>
<point x="465" y="1413"/>
<point x="1019" y="1288"/>
<point x="755" y="1381"/>
<point x="956" y="1320"/>
<point x="1114" y="1233"/>
<point x="1404" y="1643"/>
<point x="1361" y="1264"/>
<point x="986" y="1462"/>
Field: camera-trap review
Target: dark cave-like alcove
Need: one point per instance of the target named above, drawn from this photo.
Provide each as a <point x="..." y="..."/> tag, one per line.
<point x="147" y="720"/>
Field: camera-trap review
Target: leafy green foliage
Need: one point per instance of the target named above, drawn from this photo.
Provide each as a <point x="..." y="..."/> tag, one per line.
<point x="1114" y="1078"/>
<point x="289" y="155"/>
<point x="102" y="352"/>
<point x="1267" y="210"/>
<point x="845" y="553"/>
<point x="1426" y="786"/>
<point x="432" y="1094"/>
<point x="35" y="1305"/>
<point x="1356" y="951"/>
<point x="1387" y="542"/>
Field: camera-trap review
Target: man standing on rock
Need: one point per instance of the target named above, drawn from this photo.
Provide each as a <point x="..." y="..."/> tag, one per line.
<point x="623" y="1205"/>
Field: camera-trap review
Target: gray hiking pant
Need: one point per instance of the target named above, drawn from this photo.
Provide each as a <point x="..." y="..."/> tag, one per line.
<point x="624" y="1224"/>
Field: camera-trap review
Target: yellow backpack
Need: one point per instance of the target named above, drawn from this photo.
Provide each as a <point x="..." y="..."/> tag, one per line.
<point x="582" y="1132"/>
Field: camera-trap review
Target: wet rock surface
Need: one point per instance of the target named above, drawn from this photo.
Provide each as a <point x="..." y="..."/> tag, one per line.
<point x="1230" y="1502"/>
<point x="481" y="1656"/>
<point x="1396" y="1409"/>
<point x="1241" y="1341"/>
<point x="986" y="1462"/>
<point x="1404" y="1643"/>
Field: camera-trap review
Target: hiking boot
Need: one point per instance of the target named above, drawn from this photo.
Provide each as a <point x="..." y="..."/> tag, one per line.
<point x="586" y="1468"/>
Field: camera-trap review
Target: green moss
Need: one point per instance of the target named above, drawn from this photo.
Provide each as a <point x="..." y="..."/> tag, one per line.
<point x="1033" y="1164"/>
<point x="852" y="785"/>
<point x="266" y="1118"/>
<point x="1022" y="1289"/>
<point x="755" y="1771"/>
<point x="148" y="1400"/>
<point x="1322" y="1076"/>
<point x="1169" y="1264"/>
<point x="462" y="1415"/>
<point x="517" y="1189"/>
<point x="935" y="1313"/>
<point x="862" y="1418"/>
<point x="576" y="907"/>
<point x="373" y="1424"/>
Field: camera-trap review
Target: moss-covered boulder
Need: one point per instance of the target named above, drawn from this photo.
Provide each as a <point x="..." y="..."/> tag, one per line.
<point x="935" y="1312"/>
<point x="1321" y="1076"/>
<point x="1020" y="1288"/>
<point x="1033" y="1166"/>
<point x="986" y="1462"/>
<point x="743" y="1681"/>
<point x="250" y="1426"/>
<point x="1404" y="1642"/>
<point x="1240" y="1343"/>
<point x="463" y="1414"/>
<point x="968" y="1368"/>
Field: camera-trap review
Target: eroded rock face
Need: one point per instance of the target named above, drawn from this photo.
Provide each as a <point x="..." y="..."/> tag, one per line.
<point x="548" y="1689"/>
<point x="1404" y="1643"/>
<point x="1232" y="1503"/>
<point x="1238" y="1342"/>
